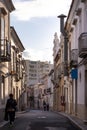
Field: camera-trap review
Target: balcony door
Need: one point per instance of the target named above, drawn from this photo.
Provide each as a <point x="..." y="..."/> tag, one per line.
<point x="2" y="90"/>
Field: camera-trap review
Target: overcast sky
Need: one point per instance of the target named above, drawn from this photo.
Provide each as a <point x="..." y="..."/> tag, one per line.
<point x="35" y="22"/>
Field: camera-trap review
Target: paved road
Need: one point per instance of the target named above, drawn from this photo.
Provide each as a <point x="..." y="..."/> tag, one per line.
<point x="40" y="120"/>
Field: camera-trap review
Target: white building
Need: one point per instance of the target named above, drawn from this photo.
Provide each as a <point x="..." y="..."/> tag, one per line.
<point x="32" y="72"/>
<point x="35" y="71"/>
<point x="76" y="25"/>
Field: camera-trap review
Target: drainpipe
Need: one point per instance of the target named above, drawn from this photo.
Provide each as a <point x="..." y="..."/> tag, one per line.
<point x="63" y="31"/>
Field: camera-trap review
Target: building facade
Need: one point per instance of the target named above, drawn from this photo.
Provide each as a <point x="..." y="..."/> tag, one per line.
<point x="36" y="70"/>
<point x="74" y="83"/>
<point x="12" y="69"/>
<point x="58" y="54"/>
<point x="77" y="32"/>
<point x="5" y="51"/>
<point x="17" y="68"/>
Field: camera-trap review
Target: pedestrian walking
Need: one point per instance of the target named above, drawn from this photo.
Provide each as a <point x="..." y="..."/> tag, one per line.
<point x="47" y="106"/>
<point x="44" y="105"/>
<point x="10" y="108"/>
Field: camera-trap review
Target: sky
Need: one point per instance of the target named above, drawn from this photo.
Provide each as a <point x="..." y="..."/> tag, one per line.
<point x="35" y="22"/>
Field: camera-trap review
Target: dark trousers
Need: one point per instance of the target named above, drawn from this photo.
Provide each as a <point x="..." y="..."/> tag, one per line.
<point x="11" y="116"/>
<point x="44" y="107"/>
<point x="47" y="107"/>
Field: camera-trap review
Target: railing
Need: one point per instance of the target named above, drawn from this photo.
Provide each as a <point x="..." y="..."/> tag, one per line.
<point x="83" y="45"/>
<point x="5" y="50"/>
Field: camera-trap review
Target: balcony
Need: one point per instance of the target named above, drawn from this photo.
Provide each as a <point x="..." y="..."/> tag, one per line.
<point x="5" y="50"/>
<point x="74" y="58"/>
<point x="83" y="45"/>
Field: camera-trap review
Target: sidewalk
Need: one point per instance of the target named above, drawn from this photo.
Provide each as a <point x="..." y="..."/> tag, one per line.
<point x="75" y="120"/>
<point x="17" y="115"/>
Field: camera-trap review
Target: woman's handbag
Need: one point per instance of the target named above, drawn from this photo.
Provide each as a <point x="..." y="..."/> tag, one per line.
<point x="6" y="115"/>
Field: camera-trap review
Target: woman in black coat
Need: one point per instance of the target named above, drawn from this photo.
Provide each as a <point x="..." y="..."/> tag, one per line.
<point x="11" y="108"/>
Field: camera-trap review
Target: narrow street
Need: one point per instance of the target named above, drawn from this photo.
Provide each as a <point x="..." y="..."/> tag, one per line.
<point x="40" y="120"/>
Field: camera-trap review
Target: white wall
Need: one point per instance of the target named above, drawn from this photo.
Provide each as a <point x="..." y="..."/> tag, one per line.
<point x="81" y="85"/>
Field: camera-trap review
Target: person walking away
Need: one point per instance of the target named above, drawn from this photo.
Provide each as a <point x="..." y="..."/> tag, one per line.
<point x="11" y="108"/>
<point x="47" y="106"/>
<point x="44" y="105"/>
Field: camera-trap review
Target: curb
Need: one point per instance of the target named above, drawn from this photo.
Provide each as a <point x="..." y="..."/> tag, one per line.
<point x="73" y="121"/>
<point x="3" y="123"/>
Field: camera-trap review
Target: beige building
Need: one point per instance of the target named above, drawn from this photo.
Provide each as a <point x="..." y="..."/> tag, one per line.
<point x="38" y="96"/>
<point x="12" y="69"/>
<point x="44" y="92"/>
<point x="58" y="54"/>
<point x="16" y="68"/>
<point x="5" y="51"/>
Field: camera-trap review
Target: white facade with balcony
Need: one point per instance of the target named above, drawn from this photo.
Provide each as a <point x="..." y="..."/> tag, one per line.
<point x="77" y="31"/>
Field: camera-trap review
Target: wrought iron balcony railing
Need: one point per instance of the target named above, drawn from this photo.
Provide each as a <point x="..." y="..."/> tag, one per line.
<point x="5" y="50"/>
<point x="83" y="45"/>
<point x="74" y="58"/>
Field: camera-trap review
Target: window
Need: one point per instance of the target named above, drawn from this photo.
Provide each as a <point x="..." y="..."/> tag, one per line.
<point x="48" y="90"/>
<point x="31" y="66"/>
<point x="85" y="20"/>
<point x="2" y="26"/>
<point x="2" y="90"/>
